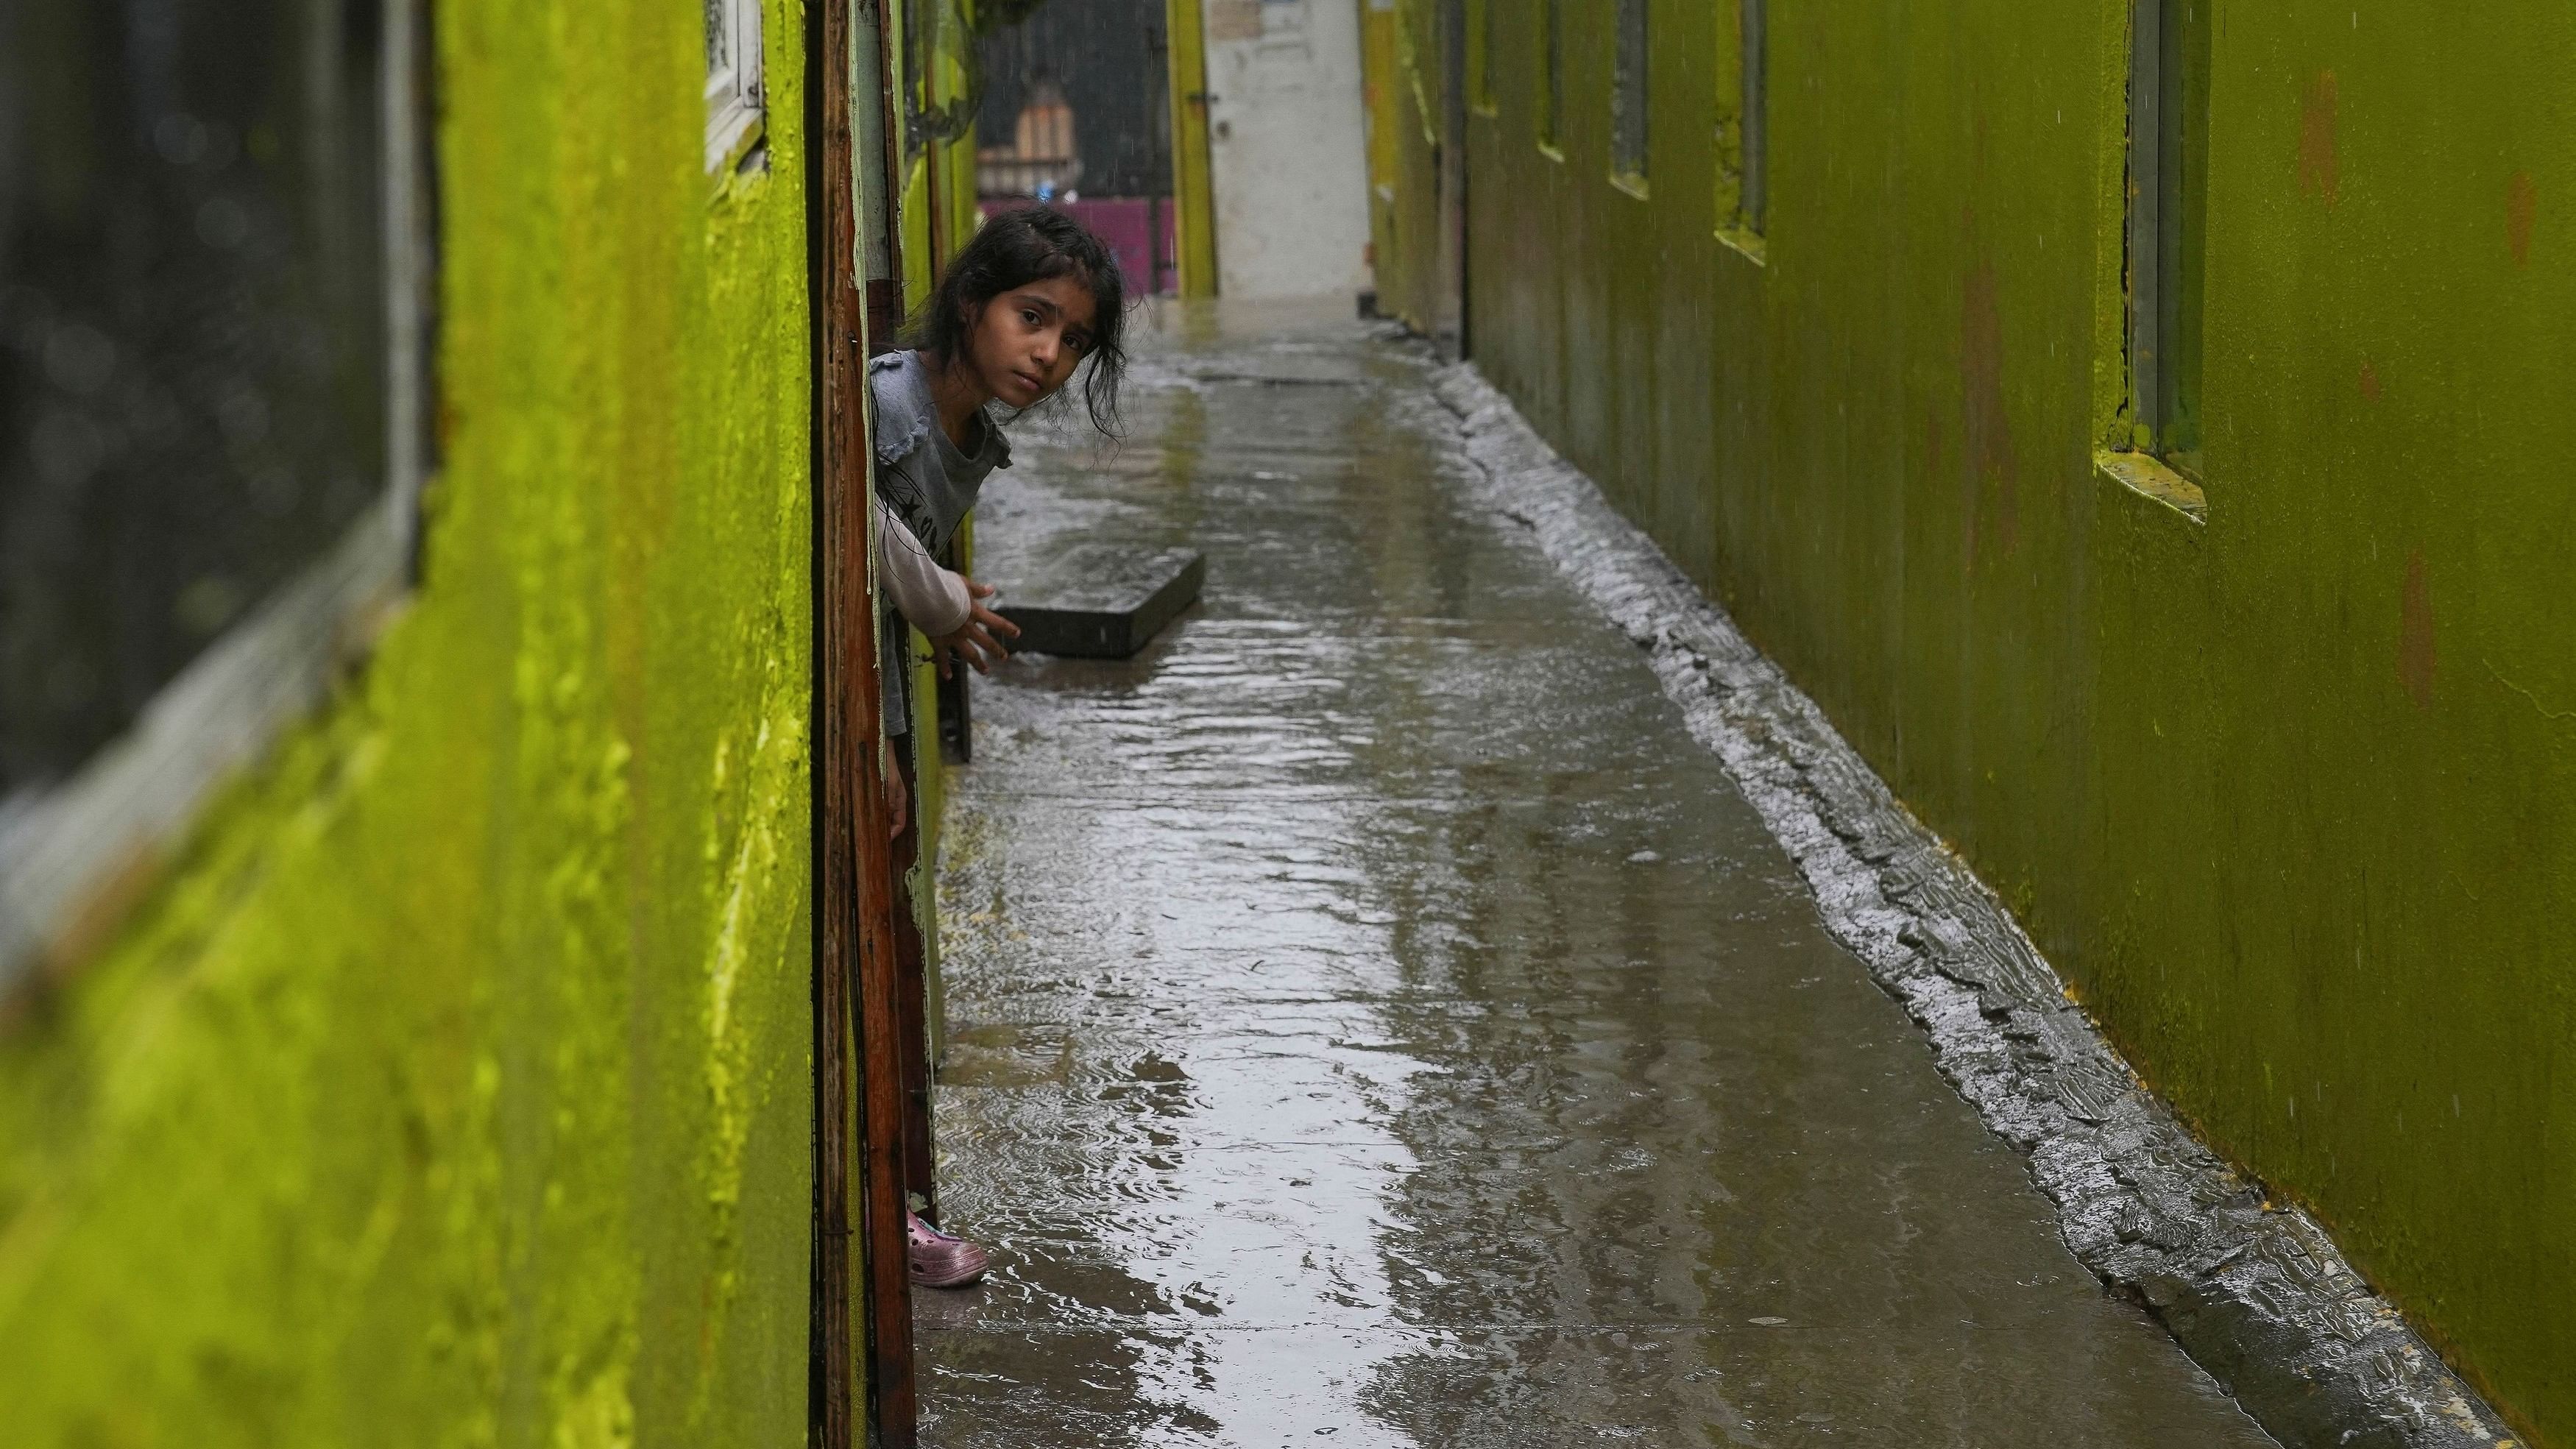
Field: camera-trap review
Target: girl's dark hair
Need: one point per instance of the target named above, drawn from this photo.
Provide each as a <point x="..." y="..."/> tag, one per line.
<point x="1018" y="247"/>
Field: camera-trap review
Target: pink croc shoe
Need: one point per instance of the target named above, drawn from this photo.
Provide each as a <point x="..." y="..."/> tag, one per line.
<point x="940" y="1260"/>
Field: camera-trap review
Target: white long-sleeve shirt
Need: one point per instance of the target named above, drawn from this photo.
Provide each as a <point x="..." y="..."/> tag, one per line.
<point x="931" y="599"/>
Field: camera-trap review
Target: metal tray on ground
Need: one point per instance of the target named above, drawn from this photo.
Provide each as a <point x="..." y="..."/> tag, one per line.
<point x="1104" y="601"/>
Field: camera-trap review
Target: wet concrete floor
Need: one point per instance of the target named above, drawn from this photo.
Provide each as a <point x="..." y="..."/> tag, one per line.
<point x="1373" y="1019"/>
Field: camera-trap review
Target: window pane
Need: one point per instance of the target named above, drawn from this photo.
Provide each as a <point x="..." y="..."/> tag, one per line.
<point x="2184" y="168"/>
<point x="1757" y="79"/>
<point x="1628" y="93"/>
<point x="1480" y="52"/>
<point x="2168" y="152"/>
<point x="192" y="339"/>
<point x="1551" y="79"/>
<point x="1739" y="127"/>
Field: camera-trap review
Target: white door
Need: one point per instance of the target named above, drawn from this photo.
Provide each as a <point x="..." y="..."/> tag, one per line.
<point x="1285" y="149"/>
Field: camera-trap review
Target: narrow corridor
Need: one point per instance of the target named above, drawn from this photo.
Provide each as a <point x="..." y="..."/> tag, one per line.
<point x="1372" y="1015"/>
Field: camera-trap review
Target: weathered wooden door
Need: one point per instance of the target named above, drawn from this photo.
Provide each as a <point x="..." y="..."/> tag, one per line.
<point x="861" y="1365"/>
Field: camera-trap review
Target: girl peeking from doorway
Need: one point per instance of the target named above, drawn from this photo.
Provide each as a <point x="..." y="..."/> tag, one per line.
<point x="1026" y="304"/>
<point x="1029" y="300"/>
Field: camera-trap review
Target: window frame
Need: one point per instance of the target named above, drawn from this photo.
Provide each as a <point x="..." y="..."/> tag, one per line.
<point x="2152" y="442"/>
<point x="736" y="105"/>
<point x="1548" y="114"/>
<point x="1742" y="124"/>
<point x="1631" y="95"/>
<point x="1480" y="56"/>
<point x="2163" y="238"/>
<point x="1753" y="28"/>
<point x="76" y="855"/>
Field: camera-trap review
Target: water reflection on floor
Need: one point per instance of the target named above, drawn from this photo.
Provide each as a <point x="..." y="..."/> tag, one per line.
<point x="1373" y="1019"/>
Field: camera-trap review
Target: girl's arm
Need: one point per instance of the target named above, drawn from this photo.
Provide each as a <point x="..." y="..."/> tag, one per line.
<point x="943" y="604"/>
<point x="931" y="598"/>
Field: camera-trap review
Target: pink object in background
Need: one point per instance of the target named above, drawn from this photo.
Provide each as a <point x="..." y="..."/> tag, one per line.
<point x="1127" y="224"/>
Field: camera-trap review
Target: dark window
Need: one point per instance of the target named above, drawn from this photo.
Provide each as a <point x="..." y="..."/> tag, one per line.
<point x="1102" y="59"/>
<point x="1073" y="99"/>
<point x="1755" y="118"/>
<point x="719" y="36"/>
<point x="1551" y="72"/>
<point x="1480" y="53"/>
<point x="1628" y="94"/>
<point x="214" y="322"/>
<point x="2168" y="167"/>
<point x="192" y="339"/>
<point x="1741" y="80"/>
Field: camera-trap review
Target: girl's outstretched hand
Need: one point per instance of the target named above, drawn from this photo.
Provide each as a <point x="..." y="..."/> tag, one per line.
<point x="974" y="641"/>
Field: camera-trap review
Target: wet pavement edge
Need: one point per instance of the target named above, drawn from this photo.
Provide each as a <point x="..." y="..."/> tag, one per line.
<point x="2257" y="1295"/>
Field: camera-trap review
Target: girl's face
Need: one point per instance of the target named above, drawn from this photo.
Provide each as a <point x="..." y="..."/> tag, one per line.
<point x="1028" y="340"/>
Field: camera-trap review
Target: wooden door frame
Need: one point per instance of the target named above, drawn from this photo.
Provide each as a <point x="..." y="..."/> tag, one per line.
<point x="831" y="1361"/>
<point x="859" y="1099"/>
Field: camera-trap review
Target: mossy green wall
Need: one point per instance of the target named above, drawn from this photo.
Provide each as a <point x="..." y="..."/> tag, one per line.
<point x="455" y="1089"/>
<point x="2290" y="796"/>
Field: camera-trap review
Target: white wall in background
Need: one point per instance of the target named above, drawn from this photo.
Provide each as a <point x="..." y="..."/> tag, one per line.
<point x="1285" y="148"/>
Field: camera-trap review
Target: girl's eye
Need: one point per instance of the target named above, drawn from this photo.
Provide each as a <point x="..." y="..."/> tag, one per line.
<point x="1029" y="315"/>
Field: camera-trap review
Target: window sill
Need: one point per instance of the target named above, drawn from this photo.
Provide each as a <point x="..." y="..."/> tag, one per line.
<point x="734" y="133"/>
<point x="1632" y="185"/>
<point x="1745" y="244"/>
<point x="2155" y="482"/>
<point x="76" y="857"/>
<point x="1552" y="152"/>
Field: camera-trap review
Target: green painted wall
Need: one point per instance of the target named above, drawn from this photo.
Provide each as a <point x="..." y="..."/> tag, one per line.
<point x="454" y="1089"/>
<point x="2290" y="796"/>
<point x="1399" y="63"/>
